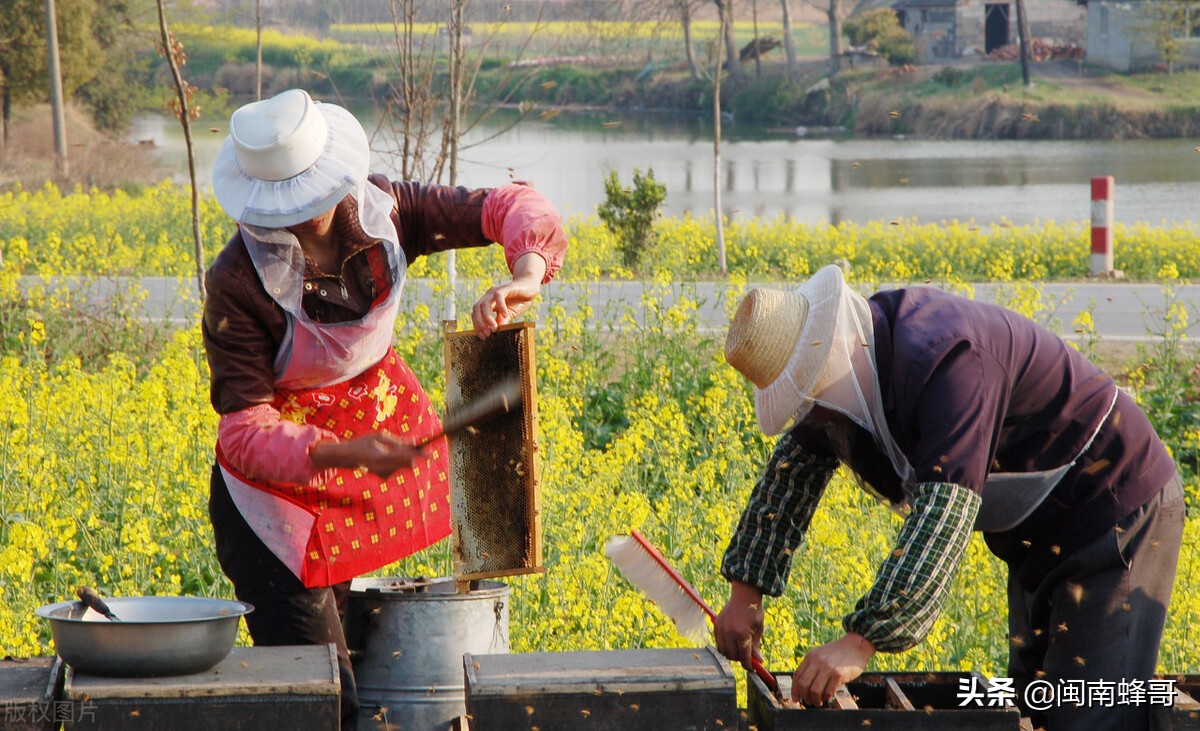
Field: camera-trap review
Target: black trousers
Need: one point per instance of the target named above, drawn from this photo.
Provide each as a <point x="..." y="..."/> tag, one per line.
<point x="285" y="611"/>
<point x="1099" y="617"/>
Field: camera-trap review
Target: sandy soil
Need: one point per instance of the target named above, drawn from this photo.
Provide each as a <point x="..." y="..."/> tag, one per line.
<point x="94" y="158"/>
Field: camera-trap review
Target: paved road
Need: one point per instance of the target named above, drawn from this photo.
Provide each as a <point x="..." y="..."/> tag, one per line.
<point x="1121" y="311"/>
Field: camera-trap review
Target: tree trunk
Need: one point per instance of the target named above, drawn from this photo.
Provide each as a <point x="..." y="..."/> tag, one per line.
<point x="834" y="13"/>
<point x="185" y="118"/>
<point x="757" y="55"/>
<point x="258" y="50"/>
<point x="6" y="103"/>
<point x="689" y="45"/>
<point x="718" y="213"/>
<point x="789" y="42"/>
<point x="457" y="19"/>
<point x="725" y="8"/>
<point x="61" y="169"/>
<point x="1023" y="36"/>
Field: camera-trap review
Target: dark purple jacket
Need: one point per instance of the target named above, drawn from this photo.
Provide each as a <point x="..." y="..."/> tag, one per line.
<point x="971" y="388"/>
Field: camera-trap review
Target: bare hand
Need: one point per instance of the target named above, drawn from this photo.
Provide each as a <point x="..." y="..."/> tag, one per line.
<point x="826" y="667"/>
<point x="380" y="453"/>
<point x="739" y="627"/>
<point x="504" y="303"/>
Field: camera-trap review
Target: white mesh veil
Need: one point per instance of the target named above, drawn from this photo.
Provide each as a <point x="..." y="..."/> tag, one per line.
<point x="279" y="260"/>
<point x="833" y="366"/>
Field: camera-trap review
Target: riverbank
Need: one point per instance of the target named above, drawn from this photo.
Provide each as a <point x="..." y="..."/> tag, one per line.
<point x="968" y="99"/>
<point x="971" y="99"/>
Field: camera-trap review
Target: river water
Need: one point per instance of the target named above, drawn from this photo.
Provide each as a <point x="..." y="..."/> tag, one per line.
<point x="804" y="177"/>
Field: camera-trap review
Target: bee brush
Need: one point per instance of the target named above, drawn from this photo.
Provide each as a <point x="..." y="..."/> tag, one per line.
<point x="648" y="570"/>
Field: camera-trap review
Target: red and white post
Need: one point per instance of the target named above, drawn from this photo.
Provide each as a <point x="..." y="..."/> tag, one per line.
<point x="1102" y="222"/>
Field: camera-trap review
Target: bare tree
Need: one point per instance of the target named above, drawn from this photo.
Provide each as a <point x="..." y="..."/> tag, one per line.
<point x="417" y="115"/>
<point x="454" y="132"/>
<point x="258" y="50"/>
<point x="686" y="8"/>
<point x="725" y="10"/>
<point x="789" y="41"/>
<point x="834" y="14"/>
<point x="675" y="11"/>
<point x="1023" y="36"/>
<point x="173" y="50"/>
<point x="425" y="124"/>
<point x="56" y="94"/>
<point x="718" y="212"/>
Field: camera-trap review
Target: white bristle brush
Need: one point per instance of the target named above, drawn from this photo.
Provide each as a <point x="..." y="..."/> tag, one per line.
<point x="648" y="570"/>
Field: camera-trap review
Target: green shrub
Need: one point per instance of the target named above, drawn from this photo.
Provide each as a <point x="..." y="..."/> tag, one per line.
<point x="765" y="101"/>
<point x="880" y="31"/>
<point x="629" y="213"/>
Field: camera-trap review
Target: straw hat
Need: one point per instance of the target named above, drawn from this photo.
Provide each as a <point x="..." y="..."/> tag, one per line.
<point x="288" y="159"/>
<point x="781" y="341"/>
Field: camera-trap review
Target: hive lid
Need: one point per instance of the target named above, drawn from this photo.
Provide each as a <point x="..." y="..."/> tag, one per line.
<point x="597" y="671"/>
<point x="310" y="670"/>
<point x="495" y="489"/>
<point x="29" y="681"/>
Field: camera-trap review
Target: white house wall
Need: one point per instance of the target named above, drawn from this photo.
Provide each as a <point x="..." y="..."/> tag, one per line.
<point x="944" y="32"/>
<point x="1115" y="38"/>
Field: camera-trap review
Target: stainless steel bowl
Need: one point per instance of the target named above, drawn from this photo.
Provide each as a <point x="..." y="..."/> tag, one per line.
<point x="157" y="635"/>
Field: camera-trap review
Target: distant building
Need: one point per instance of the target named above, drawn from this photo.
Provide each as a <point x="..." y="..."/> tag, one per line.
<point x="944" y="30"/>
<point x="1121" y="35"/>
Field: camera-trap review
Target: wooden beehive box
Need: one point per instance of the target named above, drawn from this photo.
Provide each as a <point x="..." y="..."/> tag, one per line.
<point x="1184" y="712"/>
<point x="495" y="493"/>
<point x="29" y="695"/>
<point x="604" y="690"/>
<point x="285" y="687"/>
<point x="885" y="702"/>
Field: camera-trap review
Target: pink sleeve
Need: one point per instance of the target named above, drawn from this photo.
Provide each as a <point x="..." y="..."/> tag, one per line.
<point x="261" y="445"/>
<point x="524" y="220"/>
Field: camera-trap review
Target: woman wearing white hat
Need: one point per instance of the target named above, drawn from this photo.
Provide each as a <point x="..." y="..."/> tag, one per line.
<point x="315" y="480"/>
<point x="963" y="416"/>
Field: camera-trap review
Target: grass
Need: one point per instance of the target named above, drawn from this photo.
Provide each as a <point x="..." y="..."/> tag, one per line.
<point x="642" y="39"/>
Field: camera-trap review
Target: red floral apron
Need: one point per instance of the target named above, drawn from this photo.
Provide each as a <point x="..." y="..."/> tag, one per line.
<point x="345" y="378"/>
<point x="356" y="522"/>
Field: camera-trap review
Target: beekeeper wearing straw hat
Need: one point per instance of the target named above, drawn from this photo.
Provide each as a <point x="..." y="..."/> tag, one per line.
<point x="963" y="416"/>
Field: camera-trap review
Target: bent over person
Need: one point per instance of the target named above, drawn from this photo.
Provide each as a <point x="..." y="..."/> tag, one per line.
<point x="316" y="480"/>
<point x="964" y="416"/>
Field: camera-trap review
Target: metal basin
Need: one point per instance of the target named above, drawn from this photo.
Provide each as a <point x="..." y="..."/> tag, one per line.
<point x="157" y="635"/>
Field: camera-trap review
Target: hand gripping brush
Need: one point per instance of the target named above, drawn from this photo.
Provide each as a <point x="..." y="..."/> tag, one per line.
<point x="648" y="570"/>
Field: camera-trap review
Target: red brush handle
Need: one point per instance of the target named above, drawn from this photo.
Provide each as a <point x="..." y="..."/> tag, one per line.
<point x="770" y="680"/>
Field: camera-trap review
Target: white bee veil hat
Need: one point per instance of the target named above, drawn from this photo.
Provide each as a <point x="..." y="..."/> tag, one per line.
<point x="814" y="345"/>
<point x="288" y="159"/>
